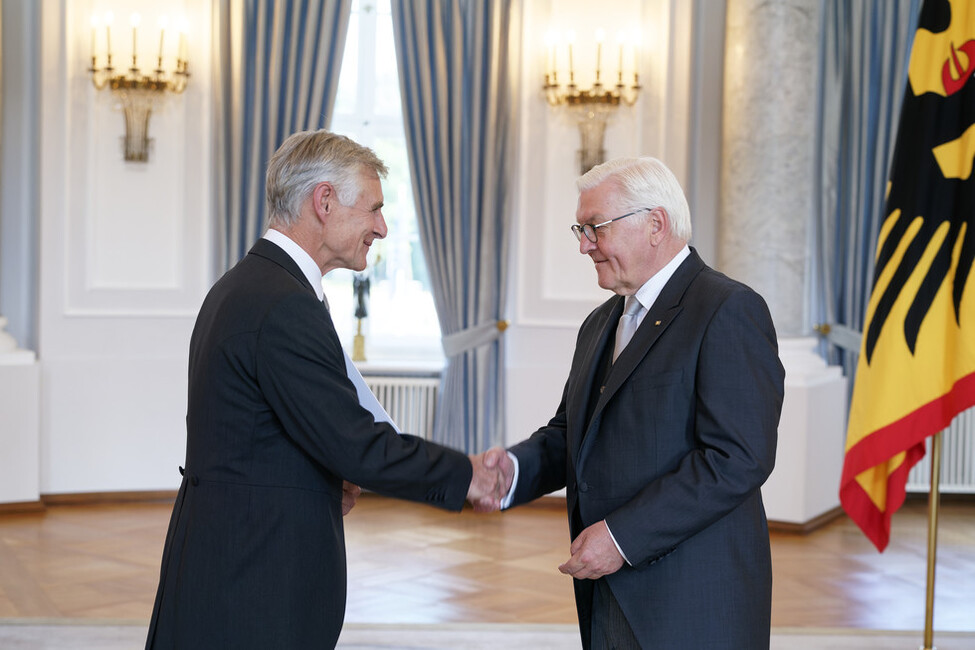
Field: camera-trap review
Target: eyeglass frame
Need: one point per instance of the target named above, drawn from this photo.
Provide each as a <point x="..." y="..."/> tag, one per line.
<point x="581" y="229"/>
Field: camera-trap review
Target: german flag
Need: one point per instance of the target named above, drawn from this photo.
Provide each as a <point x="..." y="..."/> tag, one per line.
<point x="916" y="369"/>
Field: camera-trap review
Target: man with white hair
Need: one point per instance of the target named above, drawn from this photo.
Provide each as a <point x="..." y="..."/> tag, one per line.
<point x="665" y="433"/>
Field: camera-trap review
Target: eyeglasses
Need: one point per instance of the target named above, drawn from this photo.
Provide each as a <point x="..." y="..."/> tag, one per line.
<point x="589" y="230"/>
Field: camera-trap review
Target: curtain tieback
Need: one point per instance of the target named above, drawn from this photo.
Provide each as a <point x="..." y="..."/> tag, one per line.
<point x="840" y="335"/>
<point x="473" y="337"/>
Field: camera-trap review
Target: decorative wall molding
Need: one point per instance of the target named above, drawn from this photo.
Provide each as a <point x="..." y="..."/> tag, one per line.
<point x="137" y="234"/>
<point x="125" y="260"/>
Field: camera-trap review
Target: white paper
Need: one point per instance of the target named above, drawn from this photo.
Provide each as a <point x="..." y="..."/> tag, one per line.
<point x="366" y="398"/>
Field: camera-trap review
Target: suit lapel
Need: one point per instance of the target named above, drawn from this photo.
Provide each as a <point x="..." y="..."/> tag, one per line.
<point x="587" y="369"/>
<point x="271" y="251"/>
<point x="664" y="311"/>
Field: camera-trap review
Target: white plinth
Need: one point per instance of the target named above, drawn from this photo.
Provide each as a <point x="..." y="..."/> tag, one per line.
<point x="19" y="427"/>
<point x="812" y="435"/>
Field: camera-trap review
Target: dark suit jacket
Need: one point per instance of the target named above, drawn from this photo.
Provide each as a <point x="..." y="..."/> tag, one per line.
<point x="255" y="552"/>
<point x="679" y="442"/>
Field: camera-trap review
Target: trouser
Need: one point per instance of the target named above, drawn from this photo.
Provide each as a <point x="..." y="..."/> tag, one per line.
<point x="610" y="629"/>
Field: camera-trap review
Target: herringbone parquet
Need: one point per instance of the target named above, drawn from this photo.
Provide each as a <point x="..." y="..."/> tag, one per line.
<point x="414" y="564"/>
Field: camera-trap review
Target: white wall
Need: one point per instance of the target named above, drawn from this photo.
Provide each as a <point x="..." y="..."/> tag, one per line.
<point x="125" y="258"/>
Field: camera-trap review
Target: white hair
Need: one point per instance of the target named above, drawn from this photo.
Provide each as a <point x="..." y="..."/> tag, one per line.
<point x="308" y="158"/>
<point x="644" y="183"/>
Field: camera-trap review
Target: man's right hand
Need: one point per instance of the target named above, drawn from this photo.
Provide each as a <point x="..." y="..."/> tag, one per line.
<point x="491" y="479"/>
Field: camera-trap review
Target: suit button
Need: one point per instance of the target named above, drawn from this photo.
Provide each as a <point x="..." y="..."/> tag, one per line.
<point x="601" y="389"/>
<point x="195" y="480"/>
<point x="583" y="487"/>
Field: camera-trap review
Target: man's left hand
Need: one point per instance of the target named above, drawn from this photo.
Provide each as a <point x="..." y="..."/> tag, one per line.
<point x="350" y="492"/>
<point x="594" y="554"/>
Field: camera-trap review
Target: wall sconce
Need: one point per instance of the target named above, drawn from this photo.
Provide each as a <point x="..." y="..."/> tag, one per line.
<point x="136" y="90"/>
<point x="591" y="108"/>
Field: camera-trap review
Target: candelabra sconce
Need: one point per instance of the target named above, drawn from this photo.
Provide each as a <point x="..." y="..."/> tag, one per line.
<point x="591" y="108"/>
<point x="137" y="90"/>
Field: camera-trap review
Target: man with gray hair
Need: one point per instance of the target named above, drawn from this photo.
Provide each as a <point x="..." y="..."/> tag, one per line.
<point x="277" y="440"/>
<point x="665" y="433"/>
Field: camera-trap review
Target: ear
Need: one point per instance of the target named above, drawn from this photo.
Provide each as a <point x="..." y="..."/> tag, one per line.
<point x="323" y="199"/>
<point x="659" y="225"/>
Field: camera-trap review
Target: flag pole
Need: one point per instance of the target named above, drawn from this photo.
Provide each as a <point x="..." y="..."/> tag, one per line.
<point x="933" y="499"/>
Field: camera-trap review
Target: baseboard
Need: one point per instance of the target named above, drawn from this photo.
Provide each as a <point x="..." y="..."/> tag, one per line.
<point x="548" y="502"/>
<point x="946" y="498"/>
<point x="21" y="506"/>
<point x="168" y="496"/>
<point x="808" y="526"/>
<point x="943" y="497"/>
<point x="91" y="498"/>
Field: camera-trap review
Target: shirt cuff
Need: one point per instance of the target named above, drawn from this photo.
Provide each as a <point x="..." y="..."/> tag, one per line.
<point x="506" y="501"/>
<point x="622" y="554"/>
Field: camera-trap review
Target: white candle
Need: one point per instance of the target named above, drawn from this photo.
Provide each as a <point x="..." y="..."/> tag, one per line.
<point x="549" y="53"/>
<point x="162" y="35"/>
<point x="94" y="35"/>
<point x="571" y="37"/>
<point x="109" y="17"/>
<point x="555" y="63"/>
<point x="620" y="39"/>
<point x="135" y="19"/>
<point x="600" y="37"/>
<point x="182" y="40"/>
<point x="636" y="54"/>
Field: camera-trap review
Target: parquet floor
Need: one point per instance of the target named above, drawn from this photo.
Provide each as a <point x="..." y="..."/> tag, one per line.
<point x="415" y="564"/>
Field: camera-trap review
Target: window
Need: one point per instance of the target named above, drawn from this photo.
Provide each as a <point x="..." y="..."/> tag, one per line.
<point x="402" y="325"/>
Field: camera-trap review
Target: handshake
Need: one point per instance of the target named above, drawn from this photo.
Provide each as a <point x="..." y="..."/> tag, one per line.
<point x="491" y="480"/>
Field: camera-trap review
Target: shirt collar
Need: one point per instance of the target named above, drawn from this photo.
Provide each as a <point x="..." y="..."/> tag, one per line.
<point x="650" y="291"/>
<point x="301" y="258"/>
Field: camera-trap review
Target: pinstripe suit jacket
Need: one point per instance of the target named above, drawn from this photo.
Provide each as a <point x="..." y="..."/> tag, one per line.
<point x="255" y="552"/>
<point x="681" y="437"/>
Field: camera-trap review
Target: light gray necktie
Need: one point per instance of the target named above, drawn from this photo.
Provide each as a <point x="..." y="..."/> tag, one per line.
<point x="627" y="325"/>
<point x="367" y="399"/>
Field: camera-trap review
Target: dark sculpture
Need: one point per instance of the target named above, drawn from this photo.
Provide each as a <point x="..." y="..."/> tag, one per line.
<point x="360" y="286"/>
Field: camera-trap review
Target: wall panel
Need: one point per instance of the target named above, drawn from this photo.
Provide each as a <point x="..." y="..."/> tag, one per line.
<point x="125" y="256"/>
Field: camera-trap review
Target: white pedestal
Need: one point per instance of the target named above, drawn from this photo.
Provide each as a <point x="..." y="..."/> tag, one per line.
<point x="19" y="427"/>
<point x="812" y="432"/>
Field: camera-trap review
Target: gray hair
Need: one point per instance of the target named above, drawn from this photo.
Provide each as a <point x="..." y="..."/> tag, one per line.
<point x="644" y="183"/>
<point x="308" y="158"/>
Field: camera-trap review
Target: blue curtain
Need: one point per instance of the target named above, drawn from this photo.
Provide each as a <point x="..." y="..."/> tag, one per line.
<point x="276" y="71"/>
<point x="864" y="54"/>
<point x="454" y="58"/>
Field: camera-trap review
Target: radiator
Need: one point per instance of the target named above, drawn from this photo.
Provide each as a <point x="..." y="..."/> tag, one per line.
<point x="410" y="401"/>
<point x="957" y="459"/>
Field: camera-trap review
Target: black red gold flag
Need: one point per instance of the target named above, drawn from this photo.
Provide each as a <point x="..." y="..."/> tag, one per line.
<point x="916" y="368"/>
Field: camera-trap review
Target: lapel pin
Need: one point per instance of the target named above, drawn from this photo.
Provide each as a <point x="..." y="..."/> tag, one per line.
<point x="657" y="323"/>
